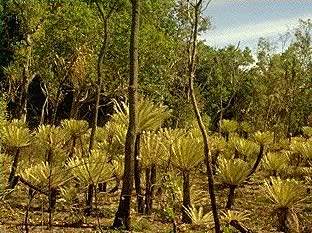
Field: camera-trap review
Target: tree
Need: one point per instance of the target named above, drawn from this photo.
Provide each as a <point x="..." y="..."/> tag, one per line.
<point x="122" y="216"/>
<point x="197" y="6"/>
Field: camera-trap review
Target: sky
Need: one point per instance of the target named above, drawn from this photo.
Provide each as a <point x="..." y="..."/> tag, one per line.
<point x="245" y="21"/>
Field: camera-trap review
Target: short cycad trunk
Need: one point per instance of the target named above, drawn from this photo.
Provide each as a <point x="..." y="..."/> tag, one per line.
<point x="282" y="214"/>
<point x="186" y="197"/>
<point x="231" y="197"/>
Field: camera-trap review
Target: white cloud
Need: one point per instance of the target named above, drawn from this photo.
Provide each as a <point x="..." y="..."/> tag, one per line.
<point x="249" y="32"/>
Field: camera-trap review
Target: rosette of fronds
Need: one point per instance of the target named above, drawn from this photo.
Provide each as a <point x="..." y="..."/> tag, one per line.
<point x="263" y="138"/>
<point x="275" y="162"/>
<point x="152" y="150"/>
<point x="233" y="215"/>
<point x="245" y="127"/>
<point x="187" y="152"/>
<point x="198" y="216"/>
<point x="233" y="171"/>
<point x="245" y="147"/>
<point x="75" y="128"/>
<point x="307" y="131"/>
<point x="93" y="169"/>
<point x="49" y="136"/>
<point x="14" y="136"/>
<point x="285" y="195"/>
<point x="302" y="148"/>
<point x="116" y="137"/>
<point x="150" y="115"/>
<point x="44" y="177"/>
<point x="229" y="126"/>
<point x="50" y="140"/>
<point x="118" y="167"/>
<point x="217" y="144"/>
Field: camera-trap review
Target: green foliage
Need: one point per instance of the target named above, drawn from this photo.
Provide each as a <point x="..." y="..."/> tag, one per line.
<point x="150" y="115"/>
<point x="229" y="215"/>
<point x="245" y="147"/>
<point x="229" y="126"/>
<point x="14" y="136"/>
<point x="233" y="171"/>
<point x="263" y="138"/>
<point x="152" y="150"/>
<point x="284" y="193"/>
<point x="75" y="128"/>
<point x="45" y="177"/>
<point x="91" y="170"/>
<point x="303" y="148"/>
<point x="186" y="153"/>
<point x="199" y="218"/>
<point x="307" y="131"/>
<point x="275" y="162"/>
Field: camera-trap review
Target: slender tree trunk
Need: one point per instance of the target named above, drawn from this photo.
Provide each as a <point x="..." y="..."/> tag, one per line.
<point x="256" y="164"/>
<point x="186" y="197"/>
<point x="231" y="196"/>
<point x="207" y="151"/>
<point x="122" y="216"/>
<point x="12" y="178"/>
<point x="137" y="177"/>
<point x="282" y="219"/>
<point x="148" y="186"/>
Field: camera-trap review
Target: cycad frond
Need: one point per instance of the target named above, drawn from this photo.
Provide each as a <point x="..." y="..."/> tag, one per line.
<point x="230" y="215"/>
<point x="307" y="131"/>
<point x="217" y="144"/>
<point x="91" y="170"/>
<point x="75" y="128"/>
<point x="50" y="136"/>
<point x="152" y="150"/>
<point x="186" y="153"/>
<point x="229" y="126"/>
<point x="45" y="177"/>
<point x="284" y="193"/>
<point x="303" y="148"/>
<point x="263" y="138"/>
<point x="198" y="217"/>
<point x="246" y="147"/>
<point x="233" y="171"/>
<point x="150" y="115"/>
<point x="275" y="162"/>
<point x="14" y="136"/>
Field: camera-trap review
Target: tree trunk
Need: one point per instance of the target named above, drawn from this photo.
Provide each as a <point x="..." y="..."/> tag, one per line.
<point x="122" y="216"/>
<point x="207" y="153"/>
<point x="12" y="178"/>
<point x="186" y="197"/>
<point x="150" y="186"/>
<point x="137" y="177"/>
<point x="231" y="196"/>
<point x="282" y="219"/>
<point x="259" y="157"/>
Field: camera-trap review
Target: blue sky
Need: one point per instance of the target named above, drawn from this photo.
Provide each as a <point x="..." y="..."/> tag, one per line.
<point x="246" y="21"/>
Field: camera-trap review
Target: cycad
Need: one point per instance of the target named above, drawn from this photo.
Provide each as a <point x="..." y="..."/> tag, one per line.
<point x="233" y="215"/>
<point x="228" y="126"/>
<point x="14" y="138"/>
<point x="303" y="148"/>
<point x="75" y="129"/>
<point x="45" y="178"/>
<point x="232" y="172"/>
<point x="152" y="150"/>
<point x="186" y="153"/>
<point x="150" y="115"/>
<point x="275" y="162"/>
<point x="245" y="147"/>
<point x="263" y="139"/>
<point x="198" y="217"/>
<point x="285" y="195"/>
<point x="307" y="131"/>
<point x="94" y="169"/>
<point x="50" y="140"/>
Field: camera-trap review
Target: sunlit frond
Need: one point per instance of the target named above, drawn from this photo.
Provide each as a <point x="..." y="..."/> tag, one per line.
<point x="233" y="171"/>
